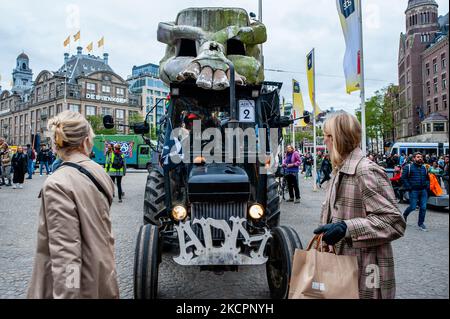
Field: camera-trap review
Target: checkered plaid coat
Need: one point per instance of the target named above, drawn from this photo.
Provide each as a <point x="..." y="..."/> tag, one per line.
<point x="361" y="194"/>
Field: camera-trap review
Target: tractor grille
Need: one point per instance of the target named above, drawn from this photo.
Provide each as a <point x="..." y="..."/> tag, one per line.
<point x="217" y="211"/>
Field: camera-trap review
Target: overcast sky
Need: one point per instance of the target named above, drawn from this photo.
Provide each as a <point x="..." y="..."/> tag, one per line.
<point x="294" y="27"/>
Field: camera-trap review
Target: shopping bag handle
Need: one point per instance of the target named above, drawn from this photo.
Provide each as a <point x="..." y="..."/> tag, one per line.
<point x="318" y="239"/>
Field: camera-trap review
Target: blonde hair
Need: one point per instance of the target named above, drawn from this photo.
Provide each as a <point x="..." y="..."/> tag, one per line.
<point x="345" y="131"/>
<point x="69" y="130"/>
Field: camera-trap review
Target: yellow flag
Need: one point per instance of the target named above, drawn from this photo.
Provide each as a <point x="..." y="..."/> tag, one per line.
<point x="77" y="36"/>
<point x="311" y="75"/>
<point x="101" y="42"/>
<point x="90" y="47"/>
<point x="67" y="41"/>
<point x="297" y="101"/>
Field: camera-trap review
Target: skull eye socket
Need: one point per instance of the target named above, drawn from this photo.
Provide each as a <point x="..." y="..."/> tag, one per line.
<point x="235" y="47"/>
<point x="187" y="48"/>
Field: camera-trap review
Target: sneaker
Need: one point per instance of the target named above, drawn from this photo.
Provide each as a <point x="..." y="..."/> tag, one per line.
<point x="41" y="175"/>
<point x="14" y="186"/>
<point x="423" y="227"/>
<point x="297" y="201"/>
<point x="20" y="186"/>
<point x="290" y="200"/>
<point x="120" y="201"/>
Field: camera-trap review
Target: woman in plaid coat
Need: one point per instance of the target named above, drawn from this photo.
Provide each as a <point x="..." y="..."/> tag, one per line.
<point x="360" y="216"/>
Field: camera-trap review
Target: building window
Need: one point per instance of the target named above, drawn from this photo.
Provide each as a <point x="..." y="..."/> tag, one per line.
<point x="429" y="106"/>
<point x="91" y="87"/>
<point x="91" y="110"/>
<point x="444" y="81"/>
<point x="120" y="91"/>
<point x="106" y="89"/>
<point x="438" y="127"/>
<point x="427" y="68"/>
<point x="120" y="114"/>
<point x="436" y="104"/>
<point x="120" y="118"/>
<point x="74" y="108"/>
<point x="106" y="111"/>
<point x="428" y="88"/>
<point x="58" y="108"/>
<point x="443" y="61"/>
<point x="51" y="111"/>
<point x="428" y="127"/>
<point x="435" y="85"/>
<point x="435" y="69"/>
<point x="444" y="101"/>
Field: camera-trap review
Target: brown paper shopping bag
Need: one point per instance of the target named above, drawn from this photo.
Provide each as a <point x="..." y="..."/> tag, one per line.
<point x="317" y="274"/>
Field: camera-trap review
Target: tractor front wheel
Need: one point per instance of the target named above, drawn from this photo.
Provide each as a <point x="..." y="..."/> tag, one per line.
<point x="146" y="263"/>
<point x="281" y="250"/>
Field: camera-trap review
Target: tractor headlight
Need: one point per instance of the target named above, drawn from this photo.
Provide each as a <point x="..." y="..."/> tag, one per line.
<point x="179" y="212"/>
<point x="256" y="211"/>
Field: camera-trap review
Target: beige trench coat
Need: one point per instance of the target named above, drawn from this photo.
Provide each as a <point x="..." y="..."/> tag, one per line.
<point x="361" y="195"/>
<point x="75" y="245"/>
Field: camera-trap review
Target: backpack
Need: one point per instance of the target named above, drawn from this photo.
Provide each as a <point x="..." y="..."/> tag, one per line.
<point x="117" y="162"/>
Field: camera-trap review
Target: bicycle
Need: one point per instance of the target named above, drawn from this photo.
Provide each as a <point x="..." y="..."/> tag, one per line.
<point x="282" y="183"/>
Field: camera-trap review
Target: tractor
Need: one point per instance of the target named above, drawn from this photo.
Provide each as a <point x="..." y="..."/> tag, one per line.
<point x="211" y="195"/>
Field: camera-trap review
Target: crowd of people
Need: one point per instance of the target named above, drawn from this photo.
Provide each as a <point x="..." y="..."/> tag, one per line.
<point x="295" y="163"/>
<point x="360" y="216"/>
<point x="17" y="162"/>
<point x="421" y="175"/>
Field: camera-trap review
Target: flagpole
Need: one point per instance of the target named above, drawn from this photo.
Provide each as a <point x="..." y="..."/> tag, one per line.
<point x="314" y="123"/>
<point x="260" y="20"/>
<point x="65" y="75"/>
<point x="363" y="93"/>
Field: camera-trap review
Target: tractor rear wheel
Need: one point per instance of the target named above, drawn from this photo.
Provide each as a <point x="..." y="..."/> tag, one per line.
<point x="154" y="198"/>
<point x="281" y="250"/>
<point x="273" y="202"/>
<point x="146" y="263"/>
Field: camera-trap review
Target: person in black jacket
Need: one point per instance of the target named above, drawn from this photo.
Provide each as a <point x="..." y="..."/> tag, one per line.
<point x="19" y="164"/>
<point x="326" y="169"/>
<point x="415" y="180"/>
<point x="44" y="159"/>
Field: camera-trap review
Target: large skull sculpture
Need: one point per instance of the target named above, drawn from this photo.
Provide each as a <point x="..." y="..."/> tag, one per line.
<point x="202" y="41"/>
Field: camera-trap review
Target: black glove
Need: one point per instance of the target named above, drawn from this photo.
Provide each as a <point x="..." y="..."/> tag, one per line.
<point x="333" y="233"/>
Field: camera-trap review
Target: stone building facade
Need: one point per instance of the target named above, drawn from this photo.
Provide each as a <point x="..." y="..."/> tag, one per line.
<point x="422" y="51"/>
<point x="85" y="84"/>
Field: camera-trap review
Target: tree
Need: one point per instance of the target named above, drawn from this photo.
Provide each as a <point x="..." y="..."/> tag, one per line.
<point x="96" y="122"/>
<point x="390" y="104"/>
<point x="379" y="115"/>
<point x="135" y="117"/>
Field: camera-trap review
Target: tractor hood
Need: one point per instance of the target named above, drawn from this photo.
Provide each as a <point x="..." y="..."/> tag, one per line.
<point x="218" y="182"/>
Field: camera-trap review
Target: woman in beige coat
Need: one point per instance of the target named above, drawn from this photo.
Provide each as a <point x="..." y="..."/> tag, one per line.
<point x="360" y="215"/>
<point x="75" y="245"/>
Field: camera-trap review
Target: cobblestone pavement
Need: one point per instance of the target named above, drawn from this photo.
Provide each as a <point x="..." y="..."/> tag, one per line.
<point x="422" y="258"/>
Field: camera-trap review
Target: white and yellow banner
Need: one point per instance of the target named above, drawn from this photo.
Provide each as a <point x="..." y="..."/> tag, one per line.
<point x="348" y="14"/>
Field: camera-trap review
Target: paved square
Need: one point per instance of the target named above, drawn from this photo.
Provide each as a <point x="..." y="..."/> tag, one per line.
<point x="421" y="258"/>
